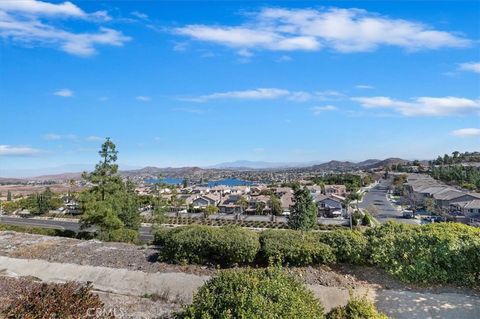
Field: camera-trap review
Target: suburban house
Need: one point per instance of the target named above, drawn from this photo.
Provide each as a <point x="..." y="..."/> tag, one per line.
<point x="206" y="200"/>
<point x="340" y="190"/>
<point x="229" y="205"/>
<point x="329" y="206"/>
<point x="447" y="199"/>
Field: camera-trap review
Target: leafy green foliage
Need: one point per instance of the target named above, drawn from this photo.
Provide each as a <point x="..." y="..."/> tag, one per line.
<point x="68" y="300"/>
<point x="294" y="248"/>
<point x="254" y="293"/>
<point x="351" y="181"/>
<point x="468" y="176"/>
<point x="40" y="203"/>
<point x="275" y="205"/>
<point x="356" y="308"/>
<point x="457" y="158"/>
<point x="434" y="253"/>
<point x="349" y="246"/>
<point x="208" y="245"/>
<point x="304" y="212"/>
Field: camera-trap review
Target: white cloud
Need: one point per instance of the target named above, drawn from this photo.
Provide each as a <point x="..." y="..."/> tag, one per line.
<point x="284" y="58"/>
<point x="299" y="96"/>
<point x="57" y="137"/>
<point x="329" y="95"/>
<point x="64" y="93"/>
<point x="93" y="138"/>
<point x="242" y="37"/>
<point x="317" y="110"/>
<point x="470" y="66"/>
<point x="30" y="22"/>
<point x="423" y="106"/>
<point x="140" y="15"/>
<point x="42" y="8"/>
<point x="259" y="150"/>
<point x="342" y="30"/>
<point x="143" y="98"/>
<point x="8" y="150"/>
<point x="466" y="132"/>
<point x="268" y="94"/>
<point x="189" y="110"/>
<point x="364" y="86"/>
<point x="180" y="47"/>
<point x="255" y="94"/>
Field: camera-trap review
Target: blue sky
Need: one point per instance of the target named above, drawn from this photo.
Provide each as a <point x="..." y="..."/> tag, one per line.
<point x="197" y="83"/>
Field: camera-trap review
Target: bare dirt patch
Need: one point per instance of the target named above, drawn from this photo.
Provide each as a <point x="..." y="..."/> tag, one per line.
<point x="90" y="252"/>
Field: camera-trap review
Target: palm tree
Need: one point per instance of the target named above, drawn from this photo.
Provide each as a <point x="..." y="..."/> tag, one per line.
<point x="243" y="203"/>
<point x="347" y="203"/>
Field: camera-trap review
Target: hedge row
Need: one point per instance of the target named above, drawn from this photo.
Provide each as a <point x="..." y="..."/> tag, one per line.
<point x="290" y="247"/>
<point x="233" y="245"/>
<point x="224" y="246"/>
<point x="436" y="253"/>
<point x="188" y="220"/>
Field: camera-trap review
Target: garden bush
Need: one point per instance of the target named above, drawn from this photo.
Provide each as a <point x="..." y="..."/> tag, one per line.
<point x="356" y="308"/>
<point x="349" y="246"/>
<point x="254" y="293"/>
<point x="294" y="248"/>
<point x="68" y="300"/>
<point x="123" y="235"/>
<point x="435" y="253"/>
<point x="208" y="245"/>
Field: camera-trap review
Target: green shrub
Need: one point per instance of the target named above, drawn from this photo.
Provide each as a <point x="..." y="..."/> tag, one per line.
<point x="68" y="300"/>
<point x="356" y="308"/>
<point x="123" y="235"/>
<point x="294" y="248"/>
<point x="435" y="253"/>
<point x="349" y="246"/>
<point x="203" y="244"/>
<point x="254" y="293"/>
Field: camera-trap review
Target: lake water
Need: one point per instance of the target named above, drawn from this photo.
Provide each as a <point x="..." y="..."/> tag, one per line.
<point x="229" y="182"/>
<point x="222" y="182"/>
<point x="168" y="181"/>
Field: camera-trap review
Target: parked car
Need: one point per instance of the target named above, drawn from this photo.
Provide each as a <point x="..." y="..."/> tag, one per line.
<point x="408" y="213"/>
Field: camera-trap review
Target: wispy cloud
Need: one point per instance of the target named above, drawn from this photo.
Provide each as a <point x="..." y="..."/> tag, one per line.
<point x="30" y="22"/>
<point x="423" y="106"/>
<point x="341" y="30"/>
<point x="94" y="138"/>
<point x="64" y="93"/>
<point x="470" y="66"/>
<point x="143" y="98"/>
<point x="466" y="132"/>
<point x="255" y="94"/>
<point x="364" y="86"/>
<point x="317" y="110"/>
<point x="57" y="137"/>
<point x="139" y="15"/>
<point x="189" y="110"/>
<point x="9" y="150"/>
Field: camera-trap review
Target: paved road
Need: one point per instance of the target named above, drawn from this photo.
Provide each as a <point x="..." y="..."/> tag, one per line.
<point x="377" y="196"/>
<point x="145" y="232"/>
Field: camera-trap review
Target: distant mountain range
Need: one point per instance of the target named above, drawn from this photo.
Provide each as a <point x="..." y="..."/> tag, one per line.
<point x="244" y="164"/>
<point x="338" y="166"/>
